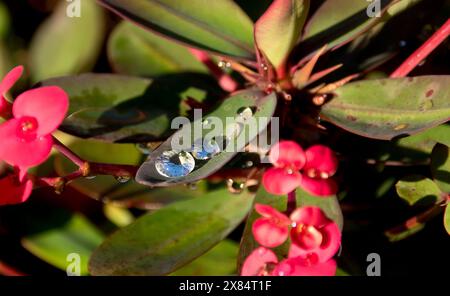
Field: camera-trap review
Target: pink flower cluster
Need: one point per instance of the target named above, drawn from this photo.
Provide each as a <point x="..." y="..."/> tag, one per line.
<point x="315" y="239"/>
<point x="317" y="164"/>
<point x="25" y="137"/>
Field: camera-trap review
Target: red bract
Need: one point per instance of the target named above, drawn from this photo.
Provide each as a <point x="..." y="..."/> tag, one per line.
<point x="16" y="188"/>
<point x="259" y="262"/>
<point x="272" y="229"/>
<point x="8" y="81"/>
<point x="313" y="233"/>
<point x="26" y="138"/>
<point x="304" y="267"/>
<point x="315" y="239"/>
<point x="318" y="164"/>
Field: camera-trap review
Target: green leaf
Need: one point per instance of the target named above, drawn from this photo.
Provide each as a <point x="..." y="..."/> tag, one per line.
<point x="279" y="28"/>
<point x="388" y="108"/>
<point x="66" y="45"/>
<point x="5" y="21"/>
<point x="161" y="242"/>
<point x="219" y="261"/>
<point x="214" y="126"/>
<point x="395" y="236"/>
<point x="337" y="22"/>
<point x="73" y="234"/>
<point x="129" y="109"/>
<point x="135" y="51"/>
<point x="218" y="26"/>
<point x="440" y="166"/>
<point x="329" y="205"/>
<point x="447" y="219"/>
<point x="425" y="141"/>
<point x="417" y="188"/>
<point x="119" y="216"/>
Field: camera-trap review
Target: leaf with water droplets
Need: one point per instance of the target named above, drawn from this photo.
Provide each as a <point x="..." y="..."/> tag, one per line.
<point x="161" y="242"/>
<point x="415" y="188"/>
<point x="232" y="135"/>
<point x="388" y="108"/>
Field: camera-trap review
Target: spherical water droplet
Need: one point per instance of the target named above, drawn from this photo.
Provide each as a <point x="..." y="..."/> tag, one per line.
<point x="174" y="164"/>
<point x="248" y="164"/>
<point x="224" y="64"/>
<point x="204" y="150"/>
<point x="192" y="186"/>
<point x="244" y="114"/>
<point x="144" y="148"/>
<point x="264" y="67"/>
<point x="123" y="179"/>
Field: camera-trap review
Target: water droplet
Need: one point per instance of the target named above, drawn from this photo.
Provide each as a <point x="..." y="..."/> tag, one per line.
<point x="143" y="148"/>
<point x="90" y="177"/>
<point x="205" y="150"/>
<point x="402" y="43"/>
<point x="206" y="122"/>
<point x="123" y="179"/>
<point x="422" y="63"/>
<point x="245" y="113"/>
<point x="192" y="186"/>
<point x="224" y="64"/>
<point x="174" y="164"/>
<point x="264" y="67"/>
<point x="235" y="187"/>
<point x="248" y="164"/>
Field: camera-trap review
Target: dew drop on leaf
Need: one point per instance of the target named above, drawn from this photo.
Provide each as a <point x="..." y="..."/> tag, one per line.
<point x="174" y="164"/>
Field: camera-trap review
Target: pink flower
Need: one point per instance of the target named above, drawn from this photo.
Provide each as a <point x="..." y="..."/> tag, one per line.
<point x="312" y="233"/>
<point x="16" y="188"/>
<point x="318" y="164"/>
<point x="6" y="84"/>
<point x="304" y="267"/>
<point x="264" y="262"/>
<point x="260" y="262"/>
<point x="26" y="138"/>
<point x="272" y="229"/>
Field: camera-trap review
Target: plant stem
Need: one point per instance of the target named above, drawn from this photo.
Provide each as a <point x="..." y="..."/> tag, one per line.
<point x="422" y="52"/>
<point x="225" y="81"/>
<point x="64" y="150"/>
<point x="291" y="203"/>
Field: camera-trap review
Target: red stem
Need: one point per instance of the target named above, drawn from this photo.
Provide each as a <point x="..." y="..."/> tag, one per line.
<point x="422" y="52"/>
<point x="225" y="81"/>
<point x="64" y="150"/>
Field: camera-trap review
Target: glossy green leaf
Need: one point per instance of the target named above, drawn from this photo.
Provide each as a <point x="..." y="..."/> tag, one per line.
<point x="161" y="242"/>
<point x="447" y="218"/>
<point x="67" y="45"/>
<point x="417" y="188"/>
<point x="440" y="166"/>
<point x="135" y="51"/>
<point x="214" y="126"/>
<point x="425" y="141"/>
<point x="129" y="109"/>
<point x="219" y="261"/>
<point x="337" y="22"/>
<point x="329" y="205"/>
<point x="407" y="232"/>
<point x="218" y="26"/>
<point x="73" y="234"/>
<point x="279" y="28"/>
<point x="388" y="108"/>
